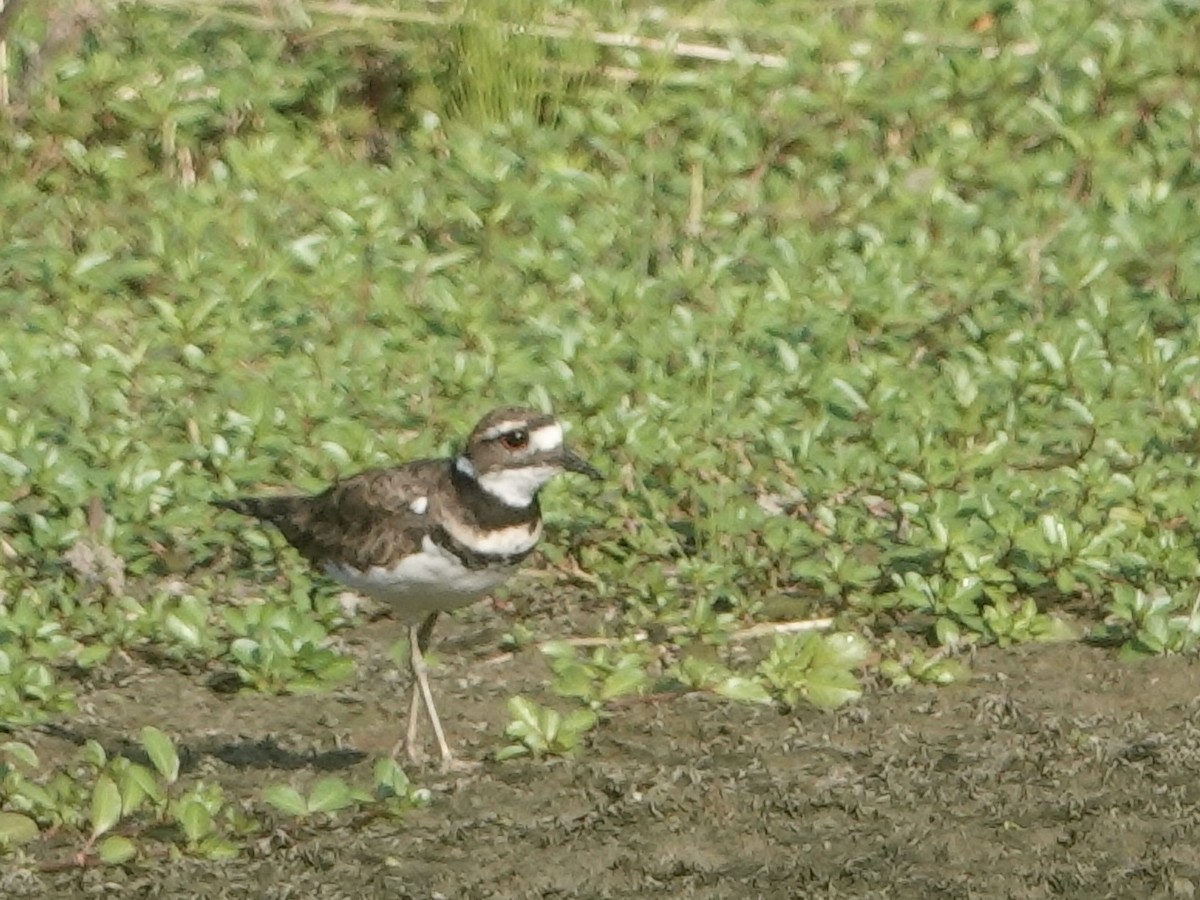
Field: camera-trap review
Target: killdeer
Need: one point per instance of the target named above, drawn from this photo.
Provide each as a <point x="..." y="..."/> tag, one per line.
<point x="431" y="535"/>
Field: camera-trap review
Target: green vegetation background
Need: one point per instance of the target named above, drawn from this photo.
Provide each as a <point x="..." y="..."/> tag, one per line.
<point x="897" y="324"/>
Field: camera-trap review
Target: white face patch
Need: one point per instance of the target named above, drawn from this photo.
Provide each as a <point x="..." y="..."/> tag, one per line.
<point x="502" y="541"/>
<point x="430" y="580"/>
<point x="517" y="487"/>
<point x="419" y="505"/>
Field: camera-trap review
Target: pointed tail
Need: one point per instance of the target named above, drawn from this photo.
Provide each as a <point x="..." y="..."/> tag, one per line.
<point x="269" y="509"/>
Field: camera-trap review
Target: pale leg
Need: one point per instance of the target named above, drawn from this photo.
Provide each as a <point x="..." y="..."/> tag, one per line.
<point x="422" y="695"/>
<point x="409" y="741"/>
<point x="419" y="638"/>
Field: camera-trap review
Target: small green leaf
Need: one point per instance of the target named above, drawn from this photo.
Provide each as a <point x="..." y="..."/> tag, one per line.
<point x="114" y="850"/>
<point x="131" y="788"/>
<point x="946" y="671"/>
<point x="829" y="690"/>
<point x="106" y="805"/>
<point x="512" y="751"/>
<point x="246" y="651"/>
<point x="93" y="656"/>
<point x="850" y="393"/>
<point x="1056" y="629"/>
<point x="35" y="793"/>
<point x="390" y="779"/>
<point x="626" y="680"/>
<point x="16" y="829"/>
<point x="185" y="632"/>
<point x="216" y="847"/>
<point x="577" y="722"/>
<point x="699" y="673"/>
<point x="23" y="753"/>
<point x="549" y="724"/>
<point x="162" y="753"/>
<point x="196" y="820"/>
<point x="94" y="753"/>
<point x="525" y="711"/>
<point x="896" y="672"/>
<point x="573" y="680"/>
<point x="843" y="650"/>
<point x="136" y="782"/>
<point x="948" y="632"/>
<point x="286" y="798"/>
<point x="330" y="795"/>
<point x="743" y="689"/>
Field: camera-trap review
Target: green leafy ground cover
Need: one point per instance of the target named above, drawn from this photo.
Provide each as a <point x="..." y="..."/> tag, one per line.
<point x="902" y="333"/>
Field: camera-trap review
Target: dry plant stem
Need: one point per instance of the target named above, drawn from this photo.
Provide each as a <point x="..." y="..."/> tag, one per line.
<point x="762" y="629"/>
<point x="351" y="13"/>
<point x="7" y="11"/>
<point x="675" y="48"/>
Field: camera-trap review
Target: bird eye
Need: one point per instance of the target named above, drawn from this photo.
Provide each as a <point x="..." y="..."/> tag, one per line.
<point x="515" y="440"/>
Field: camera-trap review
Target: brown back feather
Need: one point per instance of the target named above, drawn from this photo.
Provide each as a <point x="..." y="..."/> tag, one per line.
<point x="367" y="520"/>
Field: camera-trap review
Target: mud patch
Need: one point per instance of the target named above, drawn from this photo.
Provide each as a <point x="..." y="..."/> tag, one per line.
<point x="1056" y="772"/>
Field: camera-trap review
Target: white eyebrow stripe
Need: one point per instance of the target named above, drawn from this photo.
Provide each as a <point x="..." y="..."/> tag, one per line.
<point x="544" y="437"/>
<point x="548" y="437"/>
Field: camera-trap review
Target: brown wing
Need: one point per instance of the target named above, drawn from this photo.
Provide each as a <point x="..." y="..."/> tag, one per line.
<point x="366" y="520"/>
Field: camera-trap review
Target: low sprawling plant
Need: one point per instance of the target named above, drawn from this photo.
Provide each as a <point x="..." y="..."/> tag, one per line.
<point x="117" y="809"/>
<point x="540" y="731"/>
<point x="1153" y="622"/>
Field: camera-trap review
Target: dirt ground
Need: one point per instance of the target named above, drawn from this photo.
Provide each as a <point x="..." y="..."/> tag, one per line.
<point x="1055" y="772"/>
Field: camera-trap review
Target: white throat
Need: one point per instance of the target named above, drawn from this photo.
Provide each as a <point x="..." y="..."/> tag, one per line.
<point x="517" y="487"/>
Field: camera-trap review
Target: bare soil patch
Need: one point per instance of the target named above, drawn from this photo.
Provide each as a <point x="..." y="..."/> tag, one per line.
<point x="1055" y="772"/>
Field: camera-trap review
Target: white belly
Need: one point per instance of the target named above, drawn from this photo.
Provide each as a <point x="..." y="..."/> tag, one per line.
<point x="431" y="580"/>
